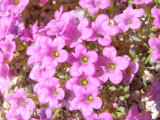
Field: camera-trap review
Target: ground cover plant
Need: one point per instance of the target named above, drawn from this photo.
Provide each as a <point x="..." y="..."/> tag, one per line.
<point x="79" y="59"/>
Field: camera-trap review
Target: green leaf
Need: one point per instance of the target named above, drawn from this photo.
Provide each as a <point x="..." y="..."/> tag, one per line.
<point x="146" y="45"/>
<point x="126" y="89"/>
<point x="127" y="96"/>
<point x="136" y="38"/>
<point x="133" y="54"/>
<point x="130" y="2"/>
<point x="143" y="59"/>
<point x="152" y="35"/>
<point x="112" y="88"/>
<point x="148" y="59"/>
<point x="121" y="87"/>
<point x="121" y="98"/>
<point x="144" y="81"/>
<point x="121" y="108"/>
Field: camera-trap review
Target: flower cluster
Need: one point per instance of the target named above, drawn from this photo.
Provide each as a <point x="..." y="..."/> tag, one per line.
<point x="75" y="59"/>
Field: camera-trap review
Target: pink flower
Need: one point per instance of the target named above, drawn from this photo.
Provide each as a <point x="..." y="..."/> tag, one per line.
<point x="135" y="115"/>
<point x="102" y="30"/>
<point x="154" y="44"/>
<point x="5" y="25"/>
<point x="30" y="35"/>
<point x="55" y="51"/>
<point x="110" y="66"/>
<point x="49" y="91"/>
<point x="43" y="1"/>
<point x="5" y="76"/>
<point x="59" y="24"/>
<point x="45" y="69"/>
<point x="8" y="47"/>
<point x="38" y="50"/>
<point x="141" y="2"/>
<point x="14" y="6"/>
<point x="77" y="31"/>
<point x="20" y="104"/>
<point x="153" y="93"/>
<point x="156" y="14"/>
<point x="82" y="83"/>
<point x="130" y="71"/>
<point x="82" y="61"/>
<point x="45" y="114"/>
<point x="86" y="102"/>
<point x="11" y="26"/>
<point x="129" y="18"/>
<point x="44" y="47"/>
<point x="101" y="116"/>
<point x="93" y="6"/>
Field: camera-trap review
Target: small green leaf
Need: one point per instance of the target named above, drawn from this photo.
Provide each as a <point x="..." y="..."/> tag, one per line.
<point x="152" y="35"/>
<point x="148" y="59"/>
<point x="133" y="54"/>
<point x="146" y="45"/>
<point x="144" y="81"/>
<point x="130" y="2"/>
<point x="121" y="108"/>
<point x="121" y="98"/>
<point x="126" y="89"/>
<point x="121" y="87"/>
<point x="143" y="59"/>
<point x="127" y="96"/>
<point x="112" y="88"/>
<point x="136" y="38"/>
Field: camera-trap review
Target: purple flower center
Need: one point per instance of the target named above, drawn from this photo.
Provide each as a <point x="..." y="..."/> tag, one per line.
<point x="15" y="2"/>
<point x="111" y="66"/>
<point x="84" y="82"/>
<point x="55" y="54"/>
<point x="89" y="98"/>
<point x="84" y="59"/>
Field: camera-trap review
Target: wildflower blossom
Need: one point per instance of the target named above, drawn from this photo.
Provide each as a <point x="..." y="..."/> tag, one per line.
<point x="20" y="104"/>
<point x="135" y="115"/>
<point x="86" y="102"/>
<point x="129" y="18"/>
<point x="102" y="30"/>
<point x="14" y="6"/>
<point x="45" y="114"/>
<point x="110" y="66"/>
<point x="42" y="70"/>
<point x="154" y="44"/>
<point x="82" y="61"/>
<point x="130" y="71"/>
<point x="94" y="6"/>
<point x="30" y="35"/>
<point x="76" y="33"/>
<point x="156" y="14"/>
<point x="8" y="47"/>
<point x="49" y="91"/>
<point x="59" y="24"/>
<point x="82" y="83"/>
<point x="5" y="76"/>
